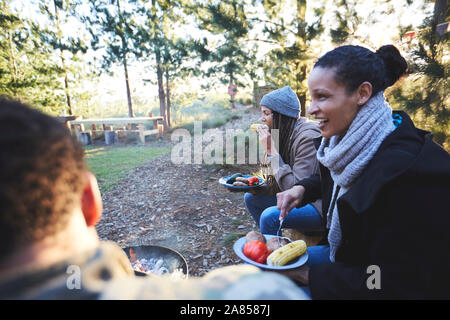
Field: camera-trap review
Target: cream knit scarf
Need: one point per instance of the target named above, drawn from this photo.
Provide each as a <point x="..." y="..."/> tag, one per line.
<point x="347" y="157"/>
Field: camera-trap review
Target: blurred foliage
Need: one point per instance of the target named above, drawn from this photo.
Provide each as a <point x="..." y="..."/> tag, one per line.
<point x="222" y="42"/>
<point x="424" y="94"/>
<point x="213" y="111"/>
<point x="290" y="61"/>
<point x="28" y="71"/>
<point x="31" y="68"/>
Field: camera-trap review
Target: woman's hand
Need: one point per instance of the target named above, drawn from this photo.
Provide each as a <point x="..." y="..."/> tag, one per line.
<point x="289" y="199"/>
<point x="300" y="274"/>
<point x="265" y="140"/>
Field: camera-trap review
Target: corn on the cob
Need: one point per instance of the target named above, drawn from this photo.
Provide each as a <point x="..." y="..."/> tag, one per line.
<point x="255" y="126"/>
<point x="286" y="253"/>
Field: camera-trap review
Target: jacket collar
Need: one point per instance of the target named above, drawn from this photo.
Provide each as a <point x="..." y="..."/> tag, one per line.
<point x="396" y="154"/>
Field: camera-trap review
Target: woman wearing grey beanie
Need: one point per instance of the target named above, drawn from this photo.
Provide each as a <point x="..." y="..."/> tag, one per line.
<point x="289" y="160"/>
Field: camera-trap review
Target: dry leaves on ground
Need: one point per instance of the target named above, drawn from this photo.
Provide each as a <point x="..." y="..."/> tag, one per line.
<point x="182" y="207"/>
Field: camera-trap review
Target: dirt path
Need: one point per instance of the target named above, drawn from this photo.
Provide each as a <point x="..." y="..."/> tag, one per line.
<point x="182" y="207"/>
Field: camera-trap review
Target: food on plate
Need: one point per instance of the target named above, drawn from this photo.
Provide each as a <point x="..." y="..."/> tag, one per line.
<point x="258" y="248"/>
<point x="238" y="180"/>
<point x="253" y="181"/>
<point x="272" y="243"/>
<point x="286" y="253"/>
<point x="256" y="251"/>
<point x="232" y="179"/>
<point x="242" y="179"/>
<point x="255" y="235"/>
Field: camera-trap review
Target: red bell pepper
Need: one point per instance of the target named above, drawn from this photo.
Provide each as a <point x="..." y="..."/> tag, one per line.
<point x="257" y="251"/>
<point x="252" y="180"/>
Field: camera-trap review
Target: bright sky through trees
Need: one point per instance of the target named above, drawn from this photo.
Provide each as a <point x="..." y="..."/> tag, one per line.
<point x="382" y="32"/>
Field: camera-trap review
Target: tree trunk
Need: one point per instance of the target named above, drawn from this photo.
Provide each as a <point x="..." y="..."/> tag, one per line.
<point x="125" y="65"/>
<point x="127" y="83"/>
<point x="63" y="63"/>
<point x="300" y="44"/>
<point x="66" y="85"/>
<point x="440" y="10"/>
<point x="301" y="93"/>
<point x="302" y="99"/>
<point x="233" y="105"/>
<point x="168" y="97"/>
<point x="161" y="94"/>
<point x="301" y="24"/>
<point x="12" y="60"/>
<point x="12" y="57"/>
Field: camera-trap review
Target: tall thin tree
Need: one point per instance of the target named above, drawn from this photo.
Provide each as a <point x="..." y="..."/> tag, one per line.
<point x="112" y="28"/>
<point x="58" y="12"/>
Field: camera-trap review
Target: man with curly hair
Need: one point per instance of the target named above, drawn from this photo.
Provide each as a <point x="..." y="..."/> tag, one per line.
<point x="49" y="206"/>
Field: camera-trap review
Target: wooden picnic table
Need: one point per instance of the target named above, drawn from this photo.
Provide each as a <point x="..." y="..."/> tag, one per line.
<point x="140" y="122"/>
<point x="66" y="120"/>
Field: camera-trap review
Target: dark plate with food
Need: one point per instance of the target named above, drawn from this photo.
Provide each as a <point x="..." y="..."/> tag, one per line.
<point x="242" y="182"/>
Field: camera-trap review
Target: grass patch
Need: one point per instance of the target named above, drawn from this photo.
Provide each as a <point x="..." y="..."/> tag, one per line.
<point x="232" y="237"/>
<point x="236" y="221"/>
<point x="112" y="163"/>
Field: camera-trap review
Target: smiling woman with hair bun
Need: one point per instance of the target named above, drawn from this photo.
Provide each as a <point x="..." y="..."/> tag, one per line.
<point x="384" y="186"/>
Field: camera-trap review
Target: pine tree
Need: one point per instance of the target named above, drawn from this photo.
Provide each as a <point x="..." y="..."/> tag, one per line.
<point x="156" y="39"/>
<point x="27" y="69"/>
<point x="58" y="12"/>
<point x="424" y="94"/>
<point x="175" y="53"/>
<point x="230" y="55"/>
<point x="290" y="61"/>
<point x="347" y="22"/>
<point x="113" y="28"/>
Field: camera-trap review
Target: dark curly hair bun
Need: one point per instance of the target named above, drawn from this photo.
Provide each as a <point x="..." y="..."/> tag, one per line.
<point x="394" y="63"/>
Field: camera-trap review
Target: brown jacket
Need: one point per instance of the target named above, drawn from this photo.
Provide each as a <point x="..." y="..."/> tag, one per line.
<point x="303" y="158"/>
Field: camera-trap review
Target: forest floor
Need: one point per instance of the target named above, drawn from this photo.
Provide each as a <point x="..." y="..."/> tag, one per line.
<point x="181" y="206"/>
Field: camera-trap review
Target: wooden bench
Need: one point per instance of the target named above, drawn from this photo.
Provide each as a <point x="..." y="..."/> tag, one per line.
<point x="66" y="120"/>
<point x="78" y="125"/>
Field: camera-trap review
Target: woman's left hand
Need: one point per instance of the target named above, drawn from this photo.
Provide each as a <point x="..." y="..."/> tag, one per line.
<point x="300" y="274"/>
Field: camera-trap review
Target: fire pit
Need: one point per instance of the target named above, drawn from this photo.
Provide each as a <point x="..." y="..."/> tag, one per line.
<point x="156" y="260"/>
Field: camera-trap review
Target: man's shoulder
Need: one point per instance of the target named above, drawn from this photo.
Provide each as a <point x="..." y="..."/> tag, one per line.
<point x="239" y="282"/>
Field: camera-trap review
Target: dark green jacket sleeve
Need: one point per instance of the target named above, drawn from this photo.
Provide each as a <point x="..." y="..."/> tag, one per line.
<point x="312" y="189"/>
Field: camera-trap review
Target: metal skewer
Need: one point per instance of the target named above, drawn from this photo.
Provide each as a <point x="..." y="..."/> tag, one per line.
<point x="278" y="232"/>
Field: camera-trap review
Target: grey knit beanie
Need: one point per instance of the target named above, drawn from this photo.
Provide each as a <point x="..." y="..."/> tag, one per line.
<point x="283" y="101"/>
